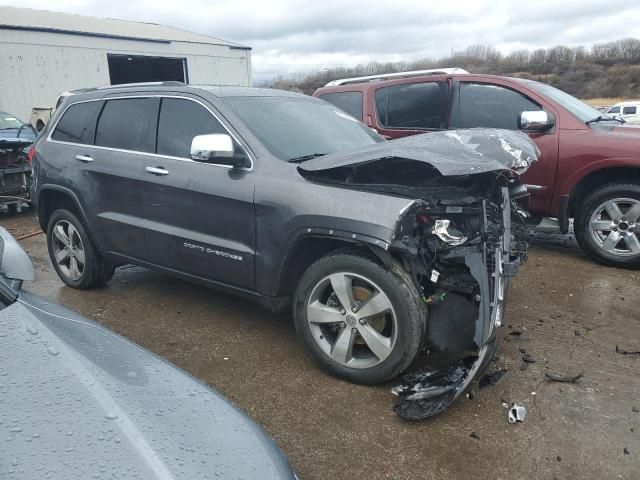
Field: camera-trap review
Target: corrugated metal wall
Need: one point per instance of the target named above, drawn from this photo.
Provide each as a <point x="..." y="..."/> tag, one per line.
<point x="36" y="66"/>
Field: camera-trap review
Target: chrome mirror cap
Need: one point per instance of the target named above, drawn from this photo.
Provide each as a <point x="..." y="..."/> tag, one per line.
<point x="212" y="147"/>
<point x="537" y="120"/>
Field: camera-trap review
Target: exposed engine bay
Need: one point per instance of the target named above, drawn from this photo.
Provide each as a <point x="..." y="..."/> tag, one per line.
<point x="455" y="240"/>
<point x="15" y="171"/>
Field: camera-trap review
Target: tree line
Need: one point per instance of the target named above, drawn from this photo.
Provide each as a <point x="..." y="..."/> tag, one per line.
<point x="610" y="69"/>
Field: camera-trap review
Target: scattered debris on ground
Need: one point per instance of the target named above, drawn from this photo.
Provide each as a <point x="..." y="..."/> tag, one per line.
<point x="564" y="377"/>
<point x="474" y="435"/>
<point x="528" y="358"/>
<point x="624" y="351"/>
<point x="492" y="379"/>
<point x="626" y="451"/>
<point x="517" y="413"/>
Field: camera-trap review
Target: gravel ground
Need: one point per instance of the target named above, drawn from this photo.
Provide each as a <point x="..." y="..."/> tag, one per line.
<point x="566" y="313"/>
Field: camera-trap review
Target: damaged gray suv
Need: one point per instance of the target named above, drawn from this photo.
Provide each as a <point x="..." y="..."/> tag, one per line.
<point x="382" y="249"/>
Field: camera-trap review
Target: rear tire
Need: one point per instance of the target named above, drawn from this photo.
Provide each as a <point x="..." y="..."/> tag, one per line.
<point x="607" y="225"/>
<point x="73" y="254"/>
<point x="378" y="340"/>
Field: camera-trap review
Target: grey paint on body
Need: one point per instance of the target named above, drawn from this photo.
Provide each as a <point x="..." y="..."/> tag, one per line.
<point x="453" y="152"/>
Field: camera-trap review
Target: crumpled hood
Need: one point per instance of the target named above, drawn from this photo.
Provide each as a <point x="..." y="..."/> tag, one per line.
<point x="451" y="152"/>
<point x="78" y="401"/>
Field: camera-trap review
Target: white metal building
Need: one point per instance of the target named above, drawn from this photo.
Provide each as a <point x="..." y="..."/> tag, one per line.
<point x="44" y="53"/>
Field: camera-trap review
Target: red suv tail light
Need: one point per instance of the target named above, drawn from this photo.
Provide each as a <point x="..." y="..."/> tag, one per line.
<point x="31" y="154"/>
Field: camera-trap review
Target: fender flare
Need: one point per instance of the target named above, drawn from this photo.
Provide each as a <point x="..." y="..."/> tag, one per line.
<point x="569" y="185"/>
<point x="72" y="196"/>
<point x="378" y="247"/>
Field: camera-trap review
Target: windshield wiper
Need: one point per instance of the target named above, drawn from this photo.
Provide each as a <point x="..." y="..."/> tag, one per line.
<point x="604" y="118"/>
<point x="305" y="157"/>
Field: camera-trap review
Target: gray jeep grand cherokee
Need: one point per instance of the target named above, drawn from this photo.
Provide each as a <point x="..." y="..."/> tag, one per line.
<point x="383" y="249"/>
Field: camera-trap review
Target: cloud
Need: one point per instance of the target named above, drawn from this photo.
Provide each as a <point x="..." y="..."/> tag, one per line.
<point x="290" y="36"/>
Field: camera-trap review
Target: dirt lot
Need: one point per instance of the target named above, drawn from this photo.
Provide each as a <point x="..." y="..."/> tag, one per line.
<point x="570" y="313"/>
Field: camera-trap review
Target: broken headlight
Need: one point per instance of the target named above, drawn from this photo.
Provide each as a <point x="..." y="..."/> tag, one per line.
<point x="442" y="229"/>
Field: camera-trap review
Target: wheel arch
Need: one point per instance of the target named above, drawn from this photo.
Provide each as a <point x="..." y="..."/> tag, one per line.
<point x="308" y="248"/>
<point x="593" y="179"/>
<point x="53" y="197"/>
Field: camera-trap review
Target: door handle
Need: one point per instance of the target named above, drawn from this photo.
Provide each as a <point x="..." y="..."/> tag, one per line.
<point x="157" y="170"/>
<point x="84" y="158"/>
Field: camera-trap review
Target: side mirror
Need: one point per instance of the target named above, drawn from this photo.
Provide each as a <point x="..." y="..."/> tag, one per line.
<point x="535" y="121"/>
<point x="15" y="264"/>
<point x="216" y="148"/>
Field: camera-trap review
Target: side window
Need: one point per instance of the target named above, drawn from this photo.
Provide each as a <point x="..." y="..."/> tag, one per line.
<point x="350" y="102"/>
<point x="127" y="124"/>
<point x="180" y="121"/>
<point x="629" y="110"/>
<point x="78" y="123"/>
<point x="614" y="110"/>
<point x="412" y="105"/>
<point x="488" y="106"/>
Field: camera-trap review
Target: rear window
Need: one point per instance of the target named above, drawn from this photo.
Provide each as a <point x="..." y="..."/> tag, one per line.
<point x="412" y="105"/>
<point x="77" y="124"/>
<point x="629" y="110"/>
<point x="350" y="102"/>
<point x="128" y="124"/>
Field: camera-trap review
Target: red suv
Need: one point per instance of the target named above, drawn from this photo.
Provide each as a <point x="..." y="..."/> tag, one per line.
<point x="589" y="169"/>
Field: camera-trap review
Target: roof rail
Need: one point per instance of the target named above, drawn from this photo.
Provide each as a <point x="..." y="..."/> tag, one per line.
<point x="386" y="76"/>
<point x="168" y="83"/>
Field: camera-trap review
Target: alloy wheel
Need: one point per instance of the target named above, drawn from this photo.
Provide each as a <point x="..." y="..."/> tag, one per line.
<point x="68" y="250"/>
<point x="352" y="320"/>
<point x="615" y="226"/>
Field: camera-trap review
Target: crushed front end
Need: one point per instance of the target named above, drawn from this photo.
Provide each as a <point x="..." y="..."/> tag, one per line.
<point x="460" y="253"/>
<point x="454" y="239"/>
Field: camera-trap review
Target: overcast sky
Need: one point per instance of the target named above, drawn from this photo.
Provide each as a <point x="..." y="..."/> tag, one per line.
<point x="292" y="36"/>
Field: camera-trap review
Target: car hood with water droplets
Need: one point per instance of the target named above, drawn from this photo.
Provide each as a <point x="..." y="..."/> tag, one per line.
<point x="451" y="152"/>
<point x="79" y="401"/>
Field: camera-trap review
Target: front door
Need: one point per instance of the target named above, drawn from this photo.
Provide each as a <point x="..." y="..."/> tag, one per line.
<point x="487" y="105"/>
<point x="199" y="217"/>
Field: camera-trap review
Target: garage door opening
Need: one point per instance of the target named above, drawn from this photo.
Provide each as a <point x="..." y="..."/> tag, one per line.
<point x="137" y="68"/>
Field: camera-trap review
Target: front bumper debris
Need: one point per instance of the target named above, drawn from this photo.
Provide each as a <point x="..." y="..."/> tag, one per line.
<point x="426" y="394"/>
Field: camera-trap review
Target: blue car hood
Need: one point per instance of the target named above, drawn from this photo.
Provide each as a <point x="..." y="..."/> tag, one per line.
<point x="78" y="401"/>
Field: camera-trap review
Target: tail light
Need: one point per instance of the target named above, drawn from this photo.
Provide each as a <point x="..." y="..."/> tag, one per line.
<point x="31" y="154"/>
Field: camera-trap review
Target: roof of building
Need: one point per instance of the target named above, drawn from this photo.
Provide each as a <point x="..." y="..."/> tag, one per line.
<point x="46" y="21"/>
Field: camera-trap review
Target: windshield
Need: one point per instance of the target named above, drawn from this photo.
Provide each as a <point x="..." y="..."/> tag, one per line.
<point x="579" y="109"/>
<point x="295" y="127"/>
<point x="8" y="121"/>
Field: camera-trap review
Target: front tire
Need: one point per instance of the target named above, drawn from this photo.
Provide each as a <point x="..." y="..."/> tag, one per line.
<point x="607" y="225"/>
<point x="74" y="257"/>
<point x="358" y="320"/>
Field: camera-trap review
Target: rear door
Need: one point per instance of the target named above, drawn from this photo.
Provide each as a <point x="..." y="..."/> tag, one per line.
<point x="410" y="108"/>
<point x="199" y="216"/>
<point x="478" y="104"/>
<point x="102" y="143"/>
